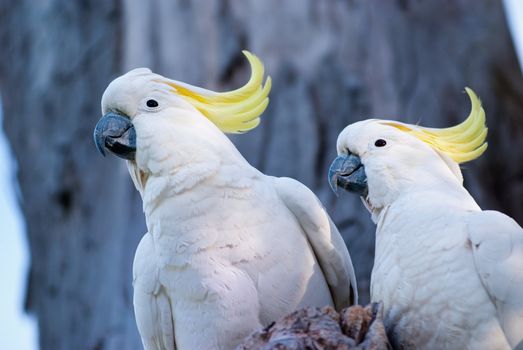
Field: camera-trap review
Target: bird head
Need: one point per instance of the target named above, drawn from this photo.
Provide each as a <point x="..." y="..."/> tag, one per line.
<point x="379" y="159"/>
<point x="148" y="118"/>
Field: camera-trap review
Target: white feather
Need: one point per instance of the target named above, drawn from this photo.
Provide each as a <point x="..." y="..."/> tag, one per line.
<point x="497" y="242"/>
<point x="151" y="304"/>
<point x="229" y="250"/>
<point x="450" y="275"/>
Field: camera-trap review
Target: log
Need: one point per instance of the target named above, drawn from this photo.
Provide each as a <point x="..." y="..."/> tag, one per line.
<point x="356" y="328"/>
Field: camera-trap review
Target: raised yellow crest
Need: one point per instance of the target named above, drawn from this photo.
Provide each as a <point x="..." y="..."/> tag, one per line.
<point x="234" y="111"/>
<point x="463" y="142"/>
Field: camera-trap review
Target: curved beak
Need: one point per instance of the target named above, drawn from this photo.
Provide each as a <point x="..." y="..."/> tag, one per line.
<point x="348" y="172"/>
<point x="116" y="133"/>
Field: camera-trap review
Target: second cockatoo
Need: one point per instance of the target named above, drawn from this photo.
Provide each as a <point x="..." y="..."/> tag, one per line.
<point x="229" y="249"/>
<point x="449" y="274"/>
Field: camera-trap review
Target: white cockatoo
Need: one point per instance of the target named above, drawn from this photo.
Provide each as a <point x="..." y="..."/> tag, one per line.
<point x="450" y="275"/>
<point x="229" y="249"/>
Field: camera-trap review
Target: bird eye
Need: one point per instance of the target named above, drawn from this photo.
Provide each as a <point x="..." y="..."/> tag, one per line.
<point x="152" y="103"/>
<point x="380" y="143"/>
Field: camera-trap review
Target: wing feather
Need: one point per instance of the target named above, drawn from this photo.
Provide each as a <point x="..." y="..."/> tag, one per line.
<point x="328" y="245"/>
<point x="152" y="307"/>
<point x="497" y="243"/>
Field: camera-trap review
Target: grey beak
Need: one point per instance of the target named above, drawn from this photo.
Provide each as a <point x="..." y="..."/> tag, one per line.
<point x="116" y="133"/>
<point x="347" y="172"/>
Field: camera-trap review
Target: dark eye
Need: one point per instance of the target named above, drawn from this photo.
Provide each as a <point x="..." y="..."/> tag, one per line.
<point x="380" y="143"/>
<point x="152" y="103"/>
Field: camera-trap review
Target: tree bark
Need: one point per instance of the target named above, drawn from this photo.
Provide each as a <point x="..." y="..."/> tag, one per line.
<point x="356" y="328"/>
<point x="332" y="62"/>
<point x="83" y="215"/>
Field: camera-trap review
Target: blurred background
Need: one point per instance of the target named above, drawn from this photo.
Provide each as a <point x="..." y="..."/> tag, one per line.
<point x="70" y="220"/>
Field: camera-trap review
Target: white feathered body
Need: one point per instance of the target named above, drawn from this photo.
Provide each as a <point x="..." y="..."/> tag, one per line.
<point x="450" y="275"/>
<point x="229" y="249"/>
<point x="426" y="275"/>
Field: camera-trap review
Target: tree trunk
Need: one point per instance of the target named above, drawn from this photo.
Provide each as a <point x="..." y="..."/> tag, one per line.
<point x="83" y="215"/>
<point x="332" y="62"/>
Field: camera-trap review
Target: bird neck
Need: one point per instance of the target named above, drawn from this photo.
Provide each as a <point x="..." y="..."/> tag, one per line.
<point x="424" y="201"/>
<point x="228" y="169"/>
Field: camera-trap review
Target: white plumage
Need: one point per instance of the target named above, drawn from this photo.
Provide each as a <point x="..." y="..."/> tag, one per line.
<point x="229" y="249"/>
<point x="450" y="275"/>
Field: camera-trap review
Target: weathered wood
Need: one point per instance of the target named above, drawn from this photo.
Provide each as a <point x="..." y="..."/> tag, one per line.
<point x="357" y="328"/>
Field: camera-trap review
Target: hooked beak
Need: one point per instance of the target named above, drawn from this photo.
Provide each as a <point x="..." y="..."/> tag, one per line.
<point x="116" y="133"/>
<point x="347" y="172"/>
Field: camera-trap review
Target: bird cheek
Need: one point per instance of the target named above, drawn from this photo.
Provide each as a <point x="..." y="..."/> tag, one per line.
<point x="142" y="148"/>
<point x="146" y="158"/>
<point x="141" y="159"/>
<point x="375" y="173"/>
<point x="382" y="187"/>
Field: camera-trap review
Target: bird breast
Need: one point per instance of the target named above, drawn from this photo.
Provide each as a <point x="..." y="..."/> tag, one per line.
<point x="244" y="229"/>
<point x="425" y="276"/>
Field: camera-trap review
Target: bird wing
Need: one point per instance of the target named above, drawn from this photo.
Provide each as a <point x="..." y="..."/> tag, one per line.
<point x="497" y="244"/>
<point x="152" y="308"/>
<point x="324" y="238"/>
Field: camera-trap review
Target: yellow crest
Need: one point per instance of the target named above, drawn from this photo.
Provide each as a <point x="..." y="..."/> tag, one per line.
<point x="463" y="142"/>
<point x="234" y="111"/>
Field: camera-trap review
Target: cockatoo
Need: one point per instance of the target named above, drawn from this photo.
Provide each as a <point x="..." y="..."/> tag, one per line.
<point x="450" y="275"/>
<point x="228" y="249"/>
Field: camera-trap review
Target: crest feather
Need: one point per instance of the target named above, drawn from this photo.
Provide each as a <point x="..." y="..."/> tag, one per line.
<point x="233" y="111"/>
<point x="463" y="142"/>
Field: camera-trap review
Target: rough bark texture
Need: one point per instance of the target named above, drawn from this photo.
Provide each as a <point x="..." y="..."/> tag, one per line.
<point x="83" y="215"/>
<point x="356" y="328"/>
<point x="333" y="62"/>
